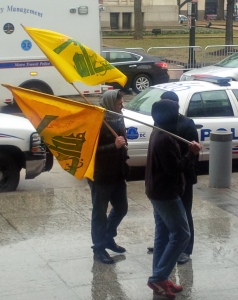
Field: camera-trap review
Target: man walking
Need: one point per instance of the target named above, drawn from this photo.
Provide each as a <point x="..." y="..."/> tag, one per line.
<point x="109" y="180"/>
<point x="187" y="130"/>
<point x="165" y="184"/>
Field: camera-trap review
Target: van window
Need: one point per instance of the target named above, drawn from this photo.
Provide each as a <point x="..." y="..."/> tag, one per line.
<point x="210" y="104"/>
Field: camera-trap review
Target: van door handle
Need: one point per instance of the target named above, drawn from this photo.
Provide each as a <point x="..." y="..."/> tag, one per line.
<point x="132" y="66"/>
<point x="198" y="126"/>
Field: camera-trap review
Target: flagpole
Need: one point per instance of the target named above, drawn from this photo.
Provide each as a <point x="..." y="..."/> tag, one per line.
<point x="108" y="126"/>
<point x="146" y="124"/>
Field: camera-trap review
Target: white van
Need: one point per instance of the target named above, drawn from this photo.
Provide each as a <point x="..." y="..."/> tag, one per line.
<point x="23" y="64"/>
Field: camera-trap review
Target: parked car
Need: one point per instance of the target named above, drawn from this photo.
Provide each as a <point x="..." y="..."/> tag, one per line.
<point x="142" y="70"/>
<point x="21" y="147"/>
<point x="212" y="105"/>
<point x="210" y="17"/>
<point x="182" y="19"/>
<point x="228" y="67"/>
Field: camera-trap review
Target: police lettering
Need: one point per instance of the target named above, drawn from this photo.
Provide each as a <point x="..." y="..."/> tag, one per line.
<point x="205" y="133"/>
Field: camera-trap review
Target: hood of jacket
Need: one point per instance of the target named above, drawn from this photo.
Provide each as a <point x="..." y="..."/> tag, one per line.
<point x="165" y="114"/>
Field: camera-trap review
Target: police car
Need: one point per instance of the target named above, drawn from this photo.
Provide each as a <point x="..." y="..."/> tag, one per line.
<point x="212" y="102"/>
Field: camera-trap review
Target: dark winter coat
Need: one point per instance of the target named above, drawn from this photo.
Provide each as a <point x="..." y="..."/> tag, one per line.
<point x="164" y="178"/>
<point x="187" y="130"/>
<point x="110" y="164"/>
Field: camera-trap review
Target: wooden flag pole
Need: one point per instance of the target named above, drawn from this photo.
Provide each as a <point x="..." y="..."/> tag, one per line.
<point x="108" y="126"/>
<point x="146" y="124"/>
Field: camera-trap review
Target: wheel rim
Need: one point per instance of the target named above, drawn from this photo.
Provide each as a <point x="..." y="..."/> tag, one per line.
<point x="142" y="83"/>
<point x="4" y="178"/>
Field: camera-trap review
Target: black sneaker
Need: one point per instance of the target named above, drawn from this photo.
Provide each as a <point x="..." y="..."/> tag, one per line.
<point x="151" y="249"/>
<point x="183" y="258"/>
<point x="103" y="256"/>
<point x="111" y="245"/>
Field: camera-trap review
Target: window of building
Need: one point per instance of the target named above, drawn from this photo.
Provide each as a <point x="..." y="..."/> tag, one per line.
<point x="114" y="20"/>
<point x="126" y="20"/>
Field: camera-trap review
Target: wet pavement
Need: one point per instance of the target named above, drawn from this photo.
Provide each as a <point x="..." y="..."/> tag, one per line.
<point x="45" y="244"/>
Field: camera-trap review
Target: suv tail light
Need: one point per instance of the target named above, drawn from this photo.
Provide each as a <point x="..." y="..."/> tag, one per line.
<point x="36" y="143"/>
<point x="163" y="65"/>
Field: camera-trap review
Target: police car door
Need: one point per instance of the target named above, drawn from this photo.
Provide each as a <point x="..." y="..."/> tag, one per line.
<point x="212" y="111"/>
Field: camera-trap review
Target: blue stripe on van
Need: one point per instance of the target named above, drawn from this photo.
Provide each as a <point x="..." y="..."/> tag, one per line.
<point x="25" y="64"/>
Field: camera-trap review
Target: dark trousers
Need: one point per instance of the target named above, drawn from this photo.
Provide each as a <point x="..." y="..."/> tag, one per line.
<point x="187" y="200"/>
<point x="171" y="236"/>
<point x="103" y="227"/>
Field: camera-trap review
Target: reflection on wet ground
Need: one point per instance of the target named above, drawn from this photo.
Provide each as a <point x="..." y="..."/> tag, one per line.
<point x="45" y="244"/>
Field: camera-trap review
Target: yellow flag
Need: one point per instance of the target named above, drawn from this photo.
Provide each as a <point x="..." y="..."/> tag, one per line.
<point x="70" y="129"/>
<point x="73" y="60"/>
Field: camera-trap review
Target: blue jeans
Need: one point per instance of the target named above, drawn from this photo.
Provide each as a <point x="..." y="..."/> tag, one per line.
<point x="104" y="228"/>
<point x="171" y="236"/>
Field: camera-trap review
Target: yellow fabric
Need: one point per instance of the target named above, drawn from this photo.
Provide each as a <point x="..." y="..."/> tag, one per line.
<point x="73" y="60"/>
<point x="70" y="129"/>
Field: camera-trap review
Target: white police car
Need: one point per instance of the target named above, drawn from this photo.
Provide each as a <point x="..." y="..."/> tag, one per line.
<point x="212" y="102"/>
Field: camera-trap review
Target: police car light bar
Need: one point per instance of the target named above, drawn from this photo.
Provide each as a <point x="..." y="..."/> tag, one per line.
<point x="222" y="81"/>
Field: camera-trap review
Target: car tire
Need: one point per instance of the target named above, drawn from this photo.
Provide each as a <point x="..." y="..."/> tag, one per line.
<point x="140" y="83"/>
<point x="35" y="85"/>
<point x="49" y="160"/>
<point x="9" y="173"/>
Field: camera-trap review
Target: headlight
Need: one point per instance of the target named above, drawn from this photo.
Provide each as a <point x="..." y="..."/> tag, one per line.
<point x="36" y="143"/>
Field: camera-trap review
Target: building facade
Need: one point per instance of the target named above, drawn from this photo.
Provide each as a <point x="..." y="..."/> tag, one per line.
<point x="119" y="14"/>
<point x="203" y="8"/>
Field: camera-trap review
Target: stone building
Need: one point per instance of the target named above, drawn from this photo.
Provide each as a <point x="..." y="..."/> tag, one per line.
<point x="119" y="14"/>
<point x="203" y="8"/>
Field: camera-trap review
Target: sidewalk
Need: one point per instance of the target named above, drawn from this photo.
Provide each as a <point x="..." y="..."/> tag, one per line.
<point x="45" y="245"/>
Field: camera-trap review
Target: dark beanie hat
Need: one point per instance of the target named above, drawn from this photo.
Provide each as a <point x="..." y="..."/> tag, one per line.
<point x="165" y="113"/>
<point x="170" y="96"/>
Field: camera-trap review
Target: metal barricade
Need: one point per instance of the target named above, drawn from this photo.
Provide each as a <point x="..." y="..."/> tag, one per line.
<point x="137" y="49"/>
<point x="215" y="53"/>
<point x="177" y="58"/>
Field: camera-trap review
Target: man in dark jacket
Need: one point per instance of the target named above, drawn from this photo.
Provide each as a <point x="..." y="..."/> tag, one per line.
<point x="165" y="184"/>
<point x="109" y="180"/>
<point x="187" y="130"/>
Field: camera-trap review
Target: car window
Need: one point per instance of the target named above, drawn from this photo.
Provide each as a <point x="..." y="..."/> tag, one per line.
<point x="143" y="102"/>
<point x="230" y="61"/>
<point x="121" y="57"/>
<point x="135" y="57"/>
<point x="210" y="104"/>
<point x="235" y="93"/>
<point x="104" y="55"/>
